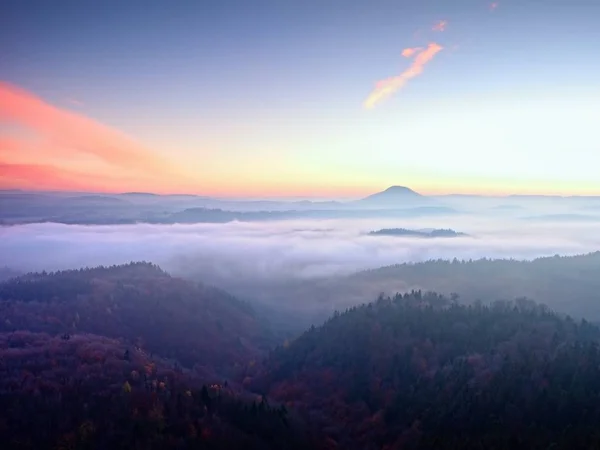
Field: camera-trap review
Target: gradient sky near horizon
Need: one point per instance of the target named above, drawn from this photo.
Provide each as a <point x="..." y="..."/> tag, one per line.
<point x="306" y="99"/>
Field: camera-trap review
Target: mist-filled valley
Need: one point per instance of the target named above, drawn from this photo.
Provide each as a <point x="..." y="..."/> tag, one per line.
<point x="303" y="332"/>
<point x="299" y="225"/>
<point x="300" y="271"/>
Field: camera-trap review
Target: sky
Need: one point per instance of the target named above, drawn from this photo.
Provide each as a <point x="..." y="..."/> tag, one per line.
<point x="320" y="98"/>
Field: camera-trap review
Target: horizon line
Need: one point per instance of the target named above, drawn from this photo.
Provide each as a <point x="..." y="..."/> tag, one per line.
<point x="296" y="197"/>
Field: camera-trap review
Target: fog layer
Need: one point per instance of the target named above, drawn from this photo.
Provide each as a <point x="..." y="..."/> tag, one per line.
<point x="282" y="250"/>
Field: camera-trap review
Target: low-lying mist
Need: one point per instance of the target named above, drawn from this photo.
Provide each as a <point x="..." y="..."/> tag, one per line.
<point x="299" y="267"/>
<point x="282" y="250"/>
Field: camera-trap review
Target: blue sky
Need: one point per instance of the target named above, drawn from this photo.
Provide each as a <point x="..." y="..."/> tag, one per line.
<point x="270" y="93"/>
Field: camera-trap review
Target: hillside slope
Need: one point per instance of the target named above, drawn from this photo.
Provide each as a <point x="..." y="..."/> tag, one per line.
<point x="567" y="284"/>
<point x="418" y="371"/>
<point x="395" y="196"/>
<point x="91" y="392"/>
<point x="191" y="323"/>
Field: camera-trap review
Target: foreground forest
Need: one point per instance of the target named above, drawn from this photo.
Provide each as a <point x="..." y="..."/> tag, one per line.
<point x="420" y="371"/>
<point x="189" y="322"/>
<point x="91" y="392"/>
<point x="131" y="357"/>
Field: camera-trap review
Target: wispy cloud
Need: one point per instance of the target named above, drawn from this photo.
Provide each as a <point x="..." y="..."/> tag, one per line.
<point x="59" y="134"/>
<point x="386" y="88"/>
<point x="440" y="26"/>
<point x="409" y="52"/>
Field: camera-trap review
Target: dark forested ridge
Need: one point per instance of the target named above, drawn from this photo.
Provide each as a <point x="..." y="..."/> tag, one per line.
<point x="90" y="392"/>
<point x="420" y="371"/>
<point x="192" y="323"/>
<point x="568" y="284"/>
<point x="6" y="273"/>
<point x="130" y="357"/>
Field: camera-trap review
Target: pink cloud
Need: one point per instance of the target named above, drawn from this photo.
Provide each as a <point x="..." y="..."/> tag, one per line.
<point x="72" y="133"/>
<point x="44" y="176"/>
<point x="386" y="88"/>
<point x="409" y="52"/>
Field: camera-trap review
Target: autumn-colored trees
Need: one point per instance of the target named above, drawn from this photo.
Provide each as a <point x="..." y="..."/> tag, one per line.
<point x="419" y="370"/>
<point x="82" y="394"/>
<point x="191" y="323"/>
<point x="129" y="357"/>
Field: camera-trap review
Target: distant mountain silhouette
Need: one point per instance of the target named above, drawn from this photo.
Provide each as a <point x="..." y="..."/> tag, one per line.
<point x="140" y="194"/>
<point x="395" y="196"/>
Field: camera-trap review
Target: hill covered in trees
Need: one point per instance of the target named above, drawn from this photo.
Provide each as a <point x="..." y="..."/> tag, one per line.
<point x="130" y="357"/>
<point x="567" y="284"/>
<point x="420" y="371"/>
<point x="194" y="324"/>
<point x="90" y="392"/>
<point x="436" y="233"/>
<point x="7" y="273"/>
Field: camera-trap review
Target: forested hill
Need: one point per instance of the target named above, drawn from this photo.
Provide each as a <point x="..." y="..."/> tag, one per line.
<point x="568" y="284"/>
<point x="188" y="322"/>
<point x="90" y="392"/>
<point x="403" y="232"/>
<point x="6" y="273"/>
<point x="129" y="357"/>
<point x="419" y="371"/>
<point x="126" y="356"/>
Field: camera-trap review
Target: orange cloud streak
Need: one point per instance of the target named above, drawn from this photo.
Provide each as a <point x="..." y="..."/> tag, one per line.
<point x="408" y="52"/>
<point x="440" y="26"/>
<point x="386" y="88"/>
<point x="72" y="133"/>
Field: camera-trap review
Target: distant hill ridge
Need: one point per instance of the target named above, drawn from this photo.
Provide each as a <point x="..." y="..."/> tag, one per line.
<point x="394" y="193"/>
<point x="140" y="207"/>
<point x="436" y="233"/>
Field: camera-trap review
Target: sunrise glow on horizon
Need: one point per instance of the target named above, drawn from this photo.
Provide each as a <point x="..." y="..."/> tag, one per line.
<point x="472" y="99"/>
